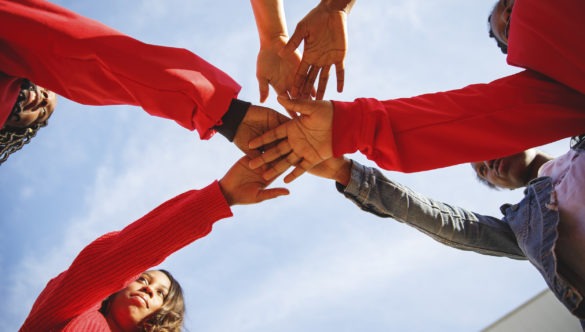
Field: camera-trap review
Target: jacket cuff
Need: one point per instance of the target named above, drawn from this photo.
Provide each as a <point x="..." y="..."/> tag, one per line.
<point x="355" y="187"/>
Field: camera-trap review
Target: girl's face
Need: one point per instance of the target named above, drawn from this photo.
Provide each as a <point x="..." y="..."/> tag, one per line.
<point x="138" y="300"/>
<point x="37" y="106"/>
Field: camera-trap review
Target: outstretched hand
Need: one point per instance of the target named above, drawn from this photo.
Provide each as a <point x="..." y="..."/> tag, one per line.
<point x="276" y="69"/>
<point x="324" y="33"/>
<point x="243" y="185"/>
<point x="304" y="141"/>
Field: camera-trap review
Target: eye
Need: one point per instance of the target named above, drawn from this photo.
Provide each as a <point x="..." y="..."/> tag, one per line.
<point x="161" y="294"/>
<point x="142" y="280"/>
<point x="43" y="103"/>
<point x="481" y="170"/>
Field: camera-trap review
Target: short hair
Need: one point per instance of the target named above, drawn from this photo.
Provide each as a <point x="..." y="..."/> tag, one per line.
<point x="13" y="139"/>
<point x="169" y="318"/>
<point x="482" y="180"/>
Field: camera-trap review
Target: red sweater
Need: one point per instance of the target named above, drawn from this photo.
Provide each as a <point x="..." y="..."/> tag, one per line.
<point x="70" y="302"/>
<point x="90" y="63"/>
<point x="482" y="121"/>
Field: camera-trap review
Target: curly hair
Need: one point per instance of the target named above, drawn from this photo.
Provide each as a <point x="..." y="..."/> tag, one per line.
<point x="169" y="318"/>
<point x="13" y="139"/>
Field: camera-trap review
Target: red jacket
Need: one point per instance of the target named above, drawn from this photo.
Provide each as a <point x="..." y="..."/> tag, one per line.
<point x="70" y="302"/>
<point x="545" y="103"/>
<point x="90" y="63"/>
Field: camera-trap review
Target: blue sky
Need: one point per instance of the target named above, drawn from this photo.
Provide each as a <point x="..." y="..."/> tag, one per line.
<point x="311" y="261"/>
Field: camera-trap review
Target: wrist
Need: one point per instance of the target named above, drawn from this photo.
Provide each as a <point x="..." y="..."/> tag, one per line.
<point x="343" y="175"/>
<point x="274" y="42"/>
<point x="228" y="197"/>
<point x="338" y="5"/>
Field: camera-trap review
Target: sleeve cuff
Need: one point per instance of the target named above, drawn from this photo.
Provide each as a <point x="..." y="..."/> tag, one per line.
<point x="232" y="118"/>
<point x="356" y="181"/>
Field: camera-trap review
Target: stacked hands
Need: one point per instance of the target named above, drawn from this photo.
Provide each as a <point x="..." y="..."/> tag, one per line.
<point x="272" y="141"/>
<point x="275" y="142"/>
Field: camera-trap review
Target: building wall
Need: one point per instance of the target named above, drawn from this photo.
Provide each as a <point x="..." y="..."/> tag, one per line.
<point x="541" y="313"/>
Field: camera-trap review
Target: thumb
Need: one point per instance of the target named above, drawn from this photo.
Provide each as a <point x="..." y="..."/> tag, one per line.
<point x="264" y="89"/>
<point x="268" y="194"/>
<point x="302" y="106"/>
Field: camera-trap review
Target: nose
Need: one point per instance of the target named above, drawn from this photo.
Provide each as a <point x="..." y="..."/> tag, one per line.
<point x="148" y="290"/>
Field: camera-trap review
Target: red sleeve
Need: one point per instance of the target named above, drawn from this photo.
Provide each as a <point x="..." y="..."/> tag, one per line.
<point x="547" y="37"/>
<point x="90" y="63"/>
<point x="9" y="89"/>
<point x="112" y="261"/>
<point x="478" y="122"/>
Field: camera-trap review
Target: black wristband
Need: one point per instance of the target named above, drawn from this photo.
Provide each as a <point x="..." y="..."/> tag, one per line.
<point x="232" y="118"/>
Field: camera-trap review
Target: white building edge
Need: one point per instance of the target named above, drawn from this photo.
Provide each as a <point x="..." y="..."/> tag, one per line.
<point x="542" y="313"/>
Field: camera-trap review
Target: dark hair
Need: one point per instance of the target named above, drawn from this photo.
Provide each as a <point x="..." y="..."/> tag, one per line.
<point x="169" y="318"/>
<point x="503" y="46"/>
<point x="13" y="139"/>
<point x="486" y="182"/>
<point x="482" y="180"/>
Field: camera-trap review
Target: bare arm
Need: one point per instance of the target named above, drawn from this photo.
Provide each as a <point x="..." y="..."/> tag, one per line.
<point x="324" y="34"/>
<point x="272" y="67"/>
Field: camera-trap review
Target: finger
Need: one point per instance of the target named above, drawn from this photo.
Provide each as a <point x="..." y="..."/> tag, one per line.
<point x="299" y="170"/>
<point x="310" y="82"/>
<point x="264" y="90"/>
<point x="292" y="114"/>
<point x="268" y="137"/>
<point x="296" y="106"/>
<point x="293" y="43"/>
<point x="296" y="173"/>
<point x="279" y="167"/>
<point x="305" y="95"/>
<point x="300" y="78"/>
<point x="292" y="158"/>
<point x="313" y="92"/>
<point x="271" y="194"/>
<point x="287" y="96"/>
<point x="272" y="154"/>
<point x="340" y="74"/>
<point x="323" y="78"/>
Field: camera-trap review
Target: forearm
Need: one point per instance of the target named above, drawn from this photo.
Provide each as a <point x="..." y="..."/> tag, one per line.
<point x="478" y="122"/>
<point x="270" y="21"/>
<point x="91" y="63"/>
<point x="110" y="262"/>
<point x="453" y="226"/>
